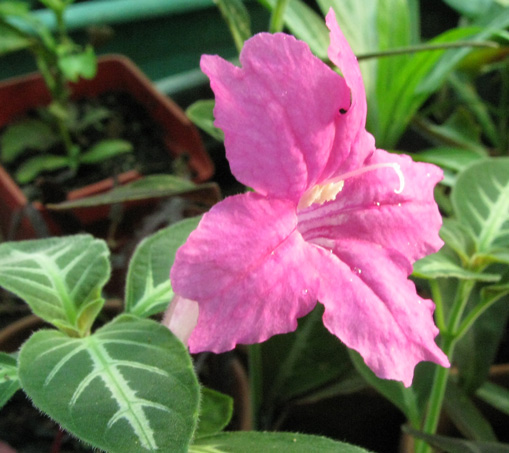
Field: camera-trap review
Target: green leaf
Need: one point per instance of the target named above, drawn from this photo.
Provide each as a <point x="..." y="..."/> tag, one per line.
<point x="24" y="135"/>
<point x="471" y="99"/>
<point x="148" y="287"/>
<point x="481" y="201"/>
<point x="415" y="81"/>
<point x="443" y="265"/>
<point x="358" y="22"/>
<point x="104" y="150"/>
<point x="201" y="113"/>
<point x="485" y="323"/>
<point x="403" y="398"/>
<point x="76" y="65"/>
<point x="495" y="395"/>
<point x="290" y="362"/>
<point x="453" y="445"/>
<point x="305" y="24"/>
<point x="237" y="18"/>
<point x="60" y="278"/>
<point x="129" y="387"/>
<point x="216" y="411"/>
<point x="465" y="415"/>
<point x="459" y="238"/>
<point x="13" y="39"/>
<point x="456" y="159"/>
<point x="152" y="186"/>
<point x="29" y="169"/>
<point x="261" y="442"/>
<point x="9" y="382"/>
<point x="471" y="8"/>
<point x="14" y="8"/>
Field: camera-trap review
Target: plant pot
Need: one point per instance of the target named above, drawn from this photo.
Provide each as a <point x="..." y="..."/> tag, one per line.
<point x="21" y="219"/>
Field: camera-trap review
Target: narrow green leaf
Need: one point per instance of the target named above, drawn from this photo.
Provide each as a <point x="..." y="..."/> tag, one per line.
<point x="14" y="8"/>
<point x="276" y="23"/>
<point x="420" y="76"/>
<point x="456" y="159"/>
<point x="9" y="382"/>
<point x="298" y="355"/>
<point x="13" y="39"/>
<point x="216" y="411"/>
<point x="31" y="168"/>
<point x="470" y="97"/>
<point x="495" y="395"/>
<point x="104" y="150"/>
<point x="403" y="398"/>
<point x="201" y="113"/>
<point x="25" y="135"/>
<point x="129" y="387"/>
<point x="487" y="314"/>
<point x="148" y="287"/>
<point x="471" y="8"/>
<point x="261" y="442"/>
<point x="481" y="201"/>
<point x="152" y="186"/>
<point x="305" y="24"/>
<point x="57" y="277"/>
<point x="453" y="445"/>
<point x="465" y="415"/>
<point x="237" y="17"/>
<point x="358" y="22"/>
<point x="443" y="265"/>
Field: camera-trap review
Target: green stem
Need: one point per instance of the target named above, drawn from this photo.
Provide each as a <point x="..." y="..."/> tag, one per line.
<point x="503" y="112"/>
<point x="426" y="48"/>
<point x="71" y="149"/>
<point x="255" y="381"/>
<point x="439" y="305"/>
<point x="277" y="17"/>
<point x="450" y="338"/>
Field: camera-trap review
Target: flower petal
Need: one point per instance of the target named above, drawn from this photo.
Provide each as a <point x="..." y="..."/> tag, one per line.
<point x="250" y="271"/>
<point x="343" y="57"/>
<point x="368" y="209"/>
<point x="181" y="317"/>
<point x="373" y="308"/>
<point x="351" y="139"/>
<point x="278" y="112"/>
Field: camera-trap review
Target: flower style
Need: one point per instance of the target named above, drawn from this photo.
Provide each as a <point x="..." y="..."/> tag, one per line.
<point x="332" y="218"/>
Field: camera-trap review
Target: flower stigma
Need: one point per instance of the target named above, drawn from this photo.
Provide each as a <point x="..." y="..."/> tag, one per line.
<point x="328" y="191"/>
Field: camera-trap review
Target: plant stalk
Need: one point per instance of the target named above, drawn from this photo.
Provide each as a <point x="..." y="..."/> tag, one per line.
<point x="255" y="382"/>
<point x="450" y="337"/>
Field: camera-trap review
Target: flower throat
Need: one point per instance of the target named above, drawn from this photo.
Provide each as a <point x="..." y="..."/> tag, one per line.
<point x="328" y="191"/>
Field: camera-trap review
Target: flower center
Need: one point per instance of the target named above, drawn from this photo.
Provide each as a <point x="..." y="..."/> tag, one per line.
<point x="330" y="189"/>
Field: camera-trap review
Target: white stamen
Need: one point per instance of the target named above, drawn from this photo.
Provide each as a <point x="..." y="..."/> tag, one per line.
<point x="396" y="167"/>
<point x="329" y="190"/>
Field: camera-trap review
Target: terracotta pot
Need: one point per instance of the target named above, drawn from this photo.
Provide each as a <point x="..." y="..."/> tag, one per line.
<point x="20" y="219"/>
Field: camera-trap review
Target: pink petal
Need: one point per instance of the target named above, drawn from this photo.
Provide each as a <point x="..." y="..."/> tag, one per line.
<point x="181" y="317"/>
<point x="368" y="209"/>
<point x="373" y="308"/>
<point x="343" y="57"/>
<point x="278" y="112"/>
<point x="250" y="271"/>
<point x="351" y="137"/>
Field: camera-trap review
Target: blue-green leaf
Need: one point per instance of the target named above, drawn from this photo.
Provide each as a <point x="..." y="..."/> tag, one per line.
<point x="9" y="382"/>
<point x="129" y="387"/>
<point x="60" y="278"/>
<point x="148" y="287"/>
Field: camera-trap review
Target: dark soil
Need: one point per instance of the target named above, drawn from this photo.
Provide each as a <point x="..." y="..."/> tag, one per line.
<point x="122" y="118"/>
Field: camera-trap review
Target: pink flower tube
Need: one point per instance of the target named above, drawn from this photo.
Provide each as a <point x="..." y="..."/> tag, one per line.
<point x="332" y="218"/>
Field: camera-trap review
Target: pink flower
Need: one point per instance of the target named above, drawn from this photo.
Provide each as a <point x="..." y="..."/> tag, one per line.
<point x="332" y="218"/>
